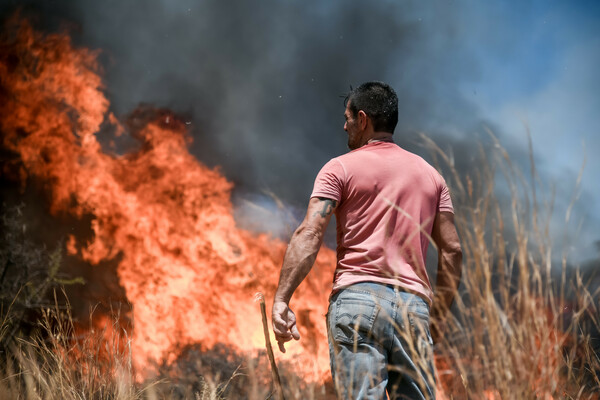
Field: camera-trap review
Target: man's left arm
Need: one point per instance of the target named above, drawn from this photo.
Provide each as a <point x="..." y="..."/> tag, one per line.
<point x="297" y="263"/>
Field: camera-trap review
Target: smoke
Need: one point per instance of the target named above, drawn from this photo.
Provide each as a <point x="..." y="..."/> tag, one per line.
<point x="262" y="83"/>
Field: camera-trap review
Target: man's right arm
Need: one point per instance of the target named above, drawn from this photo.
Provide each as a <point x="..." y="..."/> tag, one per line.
<point x="297" y="262"/>
<point x="449" y="263"/>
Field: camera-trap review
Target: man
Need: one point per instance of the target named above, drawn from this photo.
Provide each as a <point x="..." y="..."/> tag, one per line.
<point x="389" y="204"/>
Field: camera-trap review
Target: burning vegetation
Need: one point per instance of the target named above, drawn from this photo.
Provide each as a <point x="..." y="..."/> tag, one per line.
<point x="189" y="274"/>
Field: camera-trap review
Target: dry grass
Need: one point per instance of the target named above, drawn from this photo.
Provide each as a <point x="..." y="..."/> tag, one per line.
<point x="62" y="361"/>
<point x="523" y="328"/>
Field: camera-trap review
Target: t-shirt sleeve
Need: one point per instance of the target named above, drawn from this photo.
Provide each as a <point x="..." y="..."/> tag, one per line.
<point x="445" y="203"/>
<point x="330" y="181"/>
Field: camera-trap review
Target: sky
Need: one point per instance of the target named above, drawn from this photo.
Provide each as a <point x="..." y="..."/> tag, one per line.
<point x="546" y="81"/>
<point x="262" y="85"/>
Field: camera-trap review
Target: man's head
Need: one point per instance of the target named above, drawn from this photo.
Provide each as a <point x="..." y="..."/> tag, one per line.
<point x="378" y="101"/>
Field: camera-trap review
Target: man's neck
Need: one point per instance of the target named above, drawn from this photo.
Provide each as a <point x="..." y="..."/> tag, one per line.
<point x="381" y="137"/>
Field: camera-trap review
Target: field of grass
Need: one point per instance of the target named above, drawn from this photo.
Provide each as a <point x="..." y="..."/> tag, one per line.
<point x="526" y="326"/>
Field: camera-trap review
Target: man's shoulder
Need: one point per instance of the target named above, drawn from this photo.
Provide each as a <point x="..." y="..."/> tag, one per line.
<point x="333" y="167"/>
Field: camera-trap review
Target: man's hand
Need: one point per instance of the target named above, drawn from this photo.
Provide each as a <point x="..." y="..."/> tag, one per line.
<point x="284" y="324"/>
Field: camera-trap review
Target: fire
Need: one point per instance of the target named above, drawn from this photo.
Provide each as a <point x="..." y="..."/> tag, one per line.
<point x="188" y="271"/>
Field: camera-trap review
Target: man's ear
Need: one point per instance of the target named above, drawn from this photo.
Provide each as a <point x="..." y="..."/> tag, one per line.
<point x="362" y="119"/>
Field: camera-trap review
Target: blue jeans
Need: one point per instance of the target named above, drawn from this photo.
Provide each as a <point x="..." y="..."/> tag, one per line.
<point x="379" y="340"/>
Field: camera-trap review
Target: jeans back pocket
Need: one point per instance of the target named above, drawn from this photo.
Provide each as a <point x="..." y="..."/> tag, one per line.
<point x="353" y="320"/>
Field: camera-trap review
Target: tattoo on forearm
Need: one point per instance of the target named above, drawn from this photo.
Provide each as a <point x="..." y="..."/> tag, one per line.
<point x="328" y="206"/>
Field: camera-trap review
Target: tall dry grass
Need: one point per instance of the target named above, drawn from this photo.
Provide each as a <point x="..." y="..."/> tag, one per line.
<point x="525" y="326"/>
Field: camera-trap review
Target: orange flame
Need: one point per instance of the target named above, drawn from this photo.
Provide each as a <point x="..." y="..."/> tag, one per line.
<point x="188" y="271"/>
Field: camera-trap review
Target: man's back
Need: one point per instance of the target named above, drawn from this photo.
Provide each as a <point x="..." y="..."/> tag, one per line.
<point x="388" y="199"/>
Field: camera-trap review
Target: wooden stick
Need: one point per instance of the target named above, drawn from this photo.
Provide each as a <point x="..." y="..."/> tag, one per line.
<point x="274" y="372"/>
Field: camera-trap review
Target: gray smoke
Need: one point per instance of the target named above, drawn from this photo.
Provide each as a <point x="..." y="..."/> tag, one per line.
<point x="262" y="83"/>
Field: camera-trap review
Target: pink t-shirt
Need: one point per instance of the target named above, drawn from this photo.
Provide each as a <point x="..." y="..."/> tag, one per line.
<point x="387" y="201"/>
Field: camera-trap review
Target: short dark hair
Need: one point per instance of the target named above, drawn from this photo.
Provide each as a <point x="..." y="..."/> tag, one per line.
<point x="379" y="101"/>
